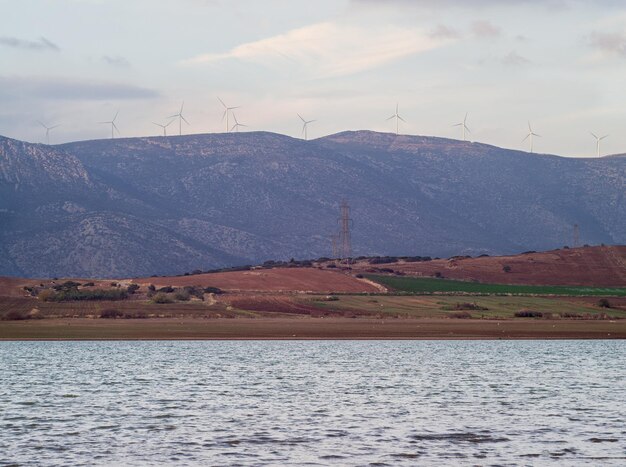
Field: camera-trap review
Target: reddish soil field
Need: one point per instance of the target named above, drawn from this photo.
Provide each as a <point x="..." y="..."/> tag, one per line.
<point x="271" y="280"/>
<point x="590" y="266"/>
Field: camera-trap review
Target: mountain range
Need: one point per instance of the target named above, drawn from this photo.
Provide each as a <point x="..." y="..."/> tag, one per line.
<point x="143" y="206"/>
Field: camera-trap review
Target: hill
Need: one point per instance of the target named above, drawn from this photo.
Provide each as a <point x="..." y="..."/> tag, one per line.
<point x="141" y="206"/>
<point x="591" y="266"/>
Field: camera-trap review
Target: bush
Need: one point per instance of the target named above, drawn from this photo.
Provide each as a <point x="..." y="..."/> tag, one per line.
<point x="46" y="295"/>
<point x="161" y="298"/>
<point x="604" y="303"/>
<point x="15" y="315"/>
<point x="111" y="313"/>
<point x="331" y="266"/>
<point x="88" y="284"/>
<point x="132" y="288"/>
<point x="506" y="268"/>
<point x="167" y="289"/>
<point x="359" y="276"/>
<point x="461" y="315"/>
<point x="215" y="290"/>
<point x="152" y="288"/>
<point x="181" y="295"/>
<point x="469" y="306"/>
<point x="528" y="314"/>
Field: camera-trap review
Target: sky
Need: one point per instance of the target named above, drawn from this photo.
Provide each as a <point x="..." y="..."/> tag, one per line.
<point x="558" y="64"/>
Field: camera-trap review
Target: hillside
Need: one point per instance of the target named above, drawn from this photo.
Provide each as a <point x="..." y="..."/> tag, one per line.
<point x="142" y="206"/>
<point x="591" y="266"/>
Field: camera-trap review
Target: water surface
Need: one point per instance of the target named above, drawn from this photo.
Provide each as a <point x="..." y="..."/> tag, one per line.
<point x="313" y="403"/>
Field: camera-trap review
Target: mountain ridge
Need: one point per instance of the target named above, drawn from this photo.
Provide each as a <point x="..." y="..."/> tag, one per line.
<point x="155" y="205"/>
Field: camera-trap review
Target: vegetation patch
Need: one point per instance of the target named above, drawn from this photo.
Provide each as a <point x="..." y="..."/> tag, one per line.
<point x="426" y="285"/>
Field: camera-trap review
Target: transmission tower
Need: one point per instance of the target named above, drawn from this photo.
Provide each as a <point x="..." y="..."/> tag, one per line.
<point x="345" y="241"/>
<point x="334" y="238"/>
<point x="576" y="236"/>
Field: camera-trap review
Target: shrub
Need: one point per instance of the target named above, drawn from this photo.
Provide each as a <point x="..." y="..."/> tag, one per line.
<point x="152" y="288"/>
<point x="111" y="313"/>
<point x="461" y="315"/>
<point x="167" y="289"/>
<point x="132" y="288"/>
<point x="438" y="275"/>
<point x="506" y="268"/>
<point x="46" y="295"/>
<point x="528" y="314"/>
<point x="161" y="298"/>
<point x="88" y="284"/>
<point x="214" y="290"/>
<point x="469" y="306"/>
<point x="181" y="295"/>
<point x="604" y="303"/>
<point x="331" y="266"/>
<point x="15" y="315"/>
<point x="359" y="276"/>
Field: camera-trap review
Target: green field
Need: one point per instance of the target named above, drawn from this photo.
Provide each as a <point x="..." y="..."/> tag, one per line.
<point x="425" y="285"/>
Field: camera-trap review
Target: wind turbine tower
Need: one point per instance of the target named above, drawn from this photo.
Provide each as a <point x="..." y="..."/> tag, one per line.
<point x="237" y="124"/>
<point x="345" y="239"/>
<point x="305" y="124"/>
<point x="180" y="117"/>
<point x="48" y="128"/>
<point x="113" y="126"/>
<point x="529" y="137"/>
<point x="398" y="118"/>
<point x="164" y="126"/>
<point x="227" y="112"/>
<point x="598" y="139"/>
<point x="463" y="126"/>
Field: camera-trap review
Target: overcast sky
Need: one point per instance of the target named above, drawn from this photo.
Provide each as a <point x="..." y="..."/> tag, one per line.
<point x="559" y="63"/>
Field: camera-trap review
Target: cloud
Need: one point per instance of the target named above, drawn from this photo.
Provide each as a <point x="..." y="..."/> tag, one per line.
<point x="68" y="89"/>
<point x="484" y="29"/>
<point x="41" y="44"/>
<point x="444" y="32"/>
<point x="331" y="49"/>
<point x="514" y="59"/>
<point x="117" y="61"/>
<point x="614" y="43"/>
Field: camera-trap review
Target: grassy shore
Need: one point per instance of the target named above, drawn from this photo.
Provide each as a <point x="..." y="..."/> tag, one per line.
<point x="308" y="328"/>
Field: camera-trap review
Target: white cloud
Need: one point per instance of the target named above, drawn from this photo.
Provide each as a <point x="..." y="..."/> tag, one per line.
<point x="332" y="49"/>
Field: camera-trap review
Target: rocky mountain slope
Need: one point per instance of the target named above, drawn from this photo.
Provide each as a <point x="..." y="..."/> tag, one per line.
<point x="142" y="206"/>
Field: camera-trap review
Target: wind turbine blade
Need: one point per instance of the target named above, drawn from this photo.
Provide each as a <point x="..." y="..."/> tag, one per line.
<point x="401" y="118"/>
<point x="173" y="116"/>
<point x="465" y="119"/>
<point x="184" y="120"/>
<point x="535" y="134"/>
<point x="115" y="126"/>
<point x="222" y="102"/>
<point x="466" y="129"/>
<point x="233" y="108"/>
<point x="604" y="137"/>
<point x="102" y="122"/>
<point x="457" y="124"/>
<point x="168" y="123"/>
<point x="301" y="118"/>
<point x="593" y="134"/>
<point x="311" y="121"/>
<point x="529" y="128"/>
<point x="393" y="116"/>
<point x="115" y="116"/>
<point x="233" y="127"/>
<point x="157" y="124"/>
<point x="181" y="107"/>
<point x="42" y="124"/>
<point x="527" y="136"/>
<point x="56" y="126"/>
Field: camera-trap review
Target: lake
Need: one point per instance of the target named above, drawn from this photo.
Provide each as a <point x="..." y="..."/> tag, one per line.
<point x="313" y="403"/>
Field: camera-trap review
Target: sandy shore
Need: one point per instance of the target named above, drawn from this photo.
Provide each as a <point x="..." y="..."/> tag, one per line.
<point x="308" y="328"/>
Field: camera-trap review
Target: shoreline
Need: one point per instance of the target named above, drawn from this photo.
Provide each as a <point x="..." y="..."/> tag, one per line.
<point x="306" y="328"/>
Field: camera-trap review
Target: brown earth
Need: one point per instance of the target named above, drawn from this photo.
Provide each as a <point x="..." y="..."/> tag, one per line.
<point x="309" y="328"/>
<point x="590" y="266"/>
<point x="271" y="280"/>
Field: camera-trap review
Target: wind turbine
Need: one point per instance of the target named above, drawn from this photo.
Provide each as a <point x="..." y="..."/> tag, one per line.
<point x="398" y="118"/>
<point x="180" y="117"/>
<point x="598" y="139"/>
<point x="529" y="136"/>
<point x="237" y="124"/>
<point x="463" y="126"/>
<point x="305" y="123"/>
<point x="48" y="128"/>
<point x="113" y="126"/>
<point x="164" y="126"/>
<point x="227" y="111"/>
